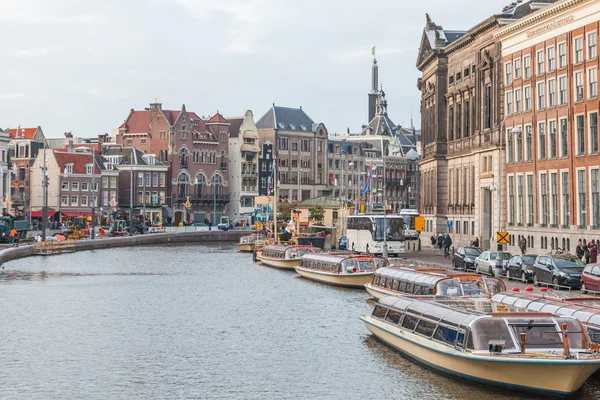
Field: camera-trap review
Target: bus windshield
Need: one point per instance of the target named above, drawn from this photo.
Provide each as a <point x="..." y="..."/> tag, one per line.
<point x="394" y="229"/>
<point x="409" y="220"/>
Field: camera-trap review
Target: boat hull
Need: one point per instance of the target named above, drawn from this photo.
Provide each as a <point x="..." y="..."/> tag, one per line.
<point x="246" y="247"/>
<point x="550" y="376"/>
<point x="355" y="281"/>
<point x="287" y="264"/>
<point x="379" y="293"/>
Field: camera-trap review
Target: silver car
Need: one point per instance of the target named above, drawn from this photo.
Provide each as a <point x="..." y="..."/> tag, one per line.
<point x="488" y="262"/>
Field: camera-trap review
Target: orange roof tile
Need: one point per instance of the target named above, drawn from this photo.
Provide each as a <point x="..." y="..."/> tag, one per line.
<point x="29" y="132"/>
<point x="217" y="119"/>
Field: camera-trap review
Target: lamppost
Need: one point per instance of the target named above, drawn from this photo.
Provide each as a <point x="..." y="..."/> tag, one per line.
<point x="214" y="188"/>
<point x="94" y="194"/>
<point x="352" y="186"/>
<point x="500" y="164"/>
<point x="44" y="197"/>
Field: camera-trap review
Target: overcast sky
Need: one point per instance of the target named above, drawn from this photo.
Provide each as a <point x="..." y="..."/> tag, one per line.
<point x="80" y="66"/>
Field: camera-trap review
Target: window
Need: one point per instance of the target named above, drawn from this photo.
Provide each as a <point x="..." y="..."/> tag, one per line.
<point x="565" y="198"/>
<point x="540" y="62"/>
<point x="544" y="195"/>
<point x="520" y="197"/>
<point x="554" y="198"/>
<point x="517" y="68"/>
<point x="595" y="199"/>
<point x="530" y="200"/>
<point x="263" y="182"/>
<point x="162" y="197"/>
<point x="511" y="200"/>
<point x="509" y="102"/>
<point x="89" y="169"/>
<point x="518" y="100"/>
<point x="509" y="146"/>
<point x="113" y="182"/>
<point x="467" y="117"/>
<point x="591" y="43"/>
<point x="64" y="201"/>
<point x="541" y="92"/>
<point x="520" y="147"/>
<point x="527" y="98"/>
<point x="451" y="123"/>
<point x="94" y="186"/>
<point x="562" y="82"/>
<point x="542" y="140"/>
<point x="564" y="138"/>
<point x="579" y="86"/>
<point x="283" y="143"/>
<point x="74" y="201"/>
<point x="84" y="201"/>
<point x="105" y="198"/>
<point x="75" y="186"/>
<point x="594" y="132"/>
<point x="551" y="59"/>
<point x="578" y="50"/>
<point x="562" y="55"/>
<point x="319" y="146"/>
<point x="104" y="182"/>
<point x="65" y="186"/>
<point x="552" y="93"/>
<point x="162" y="180"/>
<point x="582" y="201"/>
<point x="488" y="106"/>
<point x="552" y="133"/>
<point x="295" y="146"/>
<point x="451" y="79"/>
<point x="68" y="169"/>
<point x="528" y="143"/>
<point x="508" y="73"/>
<point x="21" y="174"/>
<point x="85" y="186"/>
<point x="593" y="82"/>
<point x="458" y="121"/>
<point x="154" y="180"/>
<point x="147" y="180"/>
<point x="305" y="145"/>
<point x="580" y="135"/>
<point x="527" y="66"/>
<point x="140" y="180"/>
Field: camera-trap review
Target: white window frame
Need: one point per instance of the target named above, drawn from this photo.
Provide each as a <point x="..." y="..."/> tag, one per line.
<point x="65" y="186"/>
<point x="508" y="74"/>
<point x="587" y="193"/>
<point x="527" y="198"/>
<point x="558" y="46"/>
<point x="575" y="61"/>
<point x="558" y="99"/>
<point x="539" y="155"/>
<point x="509" y="104"/>
<point x="587" y="42"/>
<point x="525" y="75"/>
<point x="551" y="68"/>
<point x="556" y="136"/>
<point x="551" y="98"/>
<point x="541" y="101"/>
<point x="83" y="200"/>
<point x="68" y="169"/>
<point x="74" y="203"/>
<point x="86" y="185"/>
<point x="575" y="73"/>
<point x="518" y="98"/>
<point x="576" y="133"/>
<point x="588" y="127"/>
<point x="550" y="214"/>
<point x="588" y="75"/>
<point x="560" y="147"/>
<point x="64" y="200"/>
<point x="525" y="108"/>
<point x="538" y="70"/>
<point x="520" y="63"/>
<point x="75" y="186"/>
<point x="539" y="200"/>
<point x="561" y="190"/>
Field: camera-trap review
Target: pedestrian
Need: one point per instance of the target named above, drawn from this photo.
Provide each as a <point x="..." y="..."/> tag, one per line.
<point x="586" y="252"/>
<point x="13" y="235"/>
<point x="433" y="241"/>
<point x="440" y="241"/>
<point x="475" y="242"/>
<point x="523" y="244"/>
<point x="593" y="251"/>
<point x="579" y="250"/>
<point x="447" y="244"/>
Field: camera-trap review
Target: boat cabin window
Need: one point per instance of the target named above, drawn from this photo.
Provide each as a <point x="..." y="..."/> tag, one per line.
<point x="402" y="286"/>
<point x="395" y="285"/>
<point x="425" y="328"/>
<point x="445" y="335"/>
<point x="543" y="334"/>
<point x="409" y="322"/>
<point x="409" y="288"/>
<point x="594" y="334"/>
<point x="365" y="265"/>
<point x="394" y="317"/>
<point x="485" y="329"/>
<point x="448" y="287"/>
<point x="379" y="312"/>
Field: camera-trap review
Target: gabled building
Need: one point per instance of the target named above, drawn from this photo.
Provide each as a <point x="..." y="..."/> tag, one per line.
<point x="4" y="164"/>
<point x="243" y="160"/>
<point x="24" y="146"/>
<point x="300" y="149"/>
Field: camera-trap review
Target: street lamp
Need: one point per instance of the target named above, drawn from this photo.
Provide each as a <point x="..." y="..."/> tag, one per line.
<point x="214" y="187"/>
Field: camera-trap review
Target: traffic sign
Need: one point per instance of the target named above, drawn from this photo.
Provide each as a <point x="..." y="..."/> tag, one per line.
<point x="449" y="224"/>
<point x="502" y="237"/>
<point x="419" y="224"/>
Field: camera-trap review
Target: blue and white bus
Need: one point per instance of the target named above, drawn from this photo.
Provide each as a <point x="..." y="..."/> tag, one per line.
<point x="365" y="232"/>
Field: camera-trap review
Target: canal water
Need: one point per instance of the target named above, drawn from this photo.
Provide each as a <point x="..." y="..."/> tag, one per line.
<point x="197" y="322"/>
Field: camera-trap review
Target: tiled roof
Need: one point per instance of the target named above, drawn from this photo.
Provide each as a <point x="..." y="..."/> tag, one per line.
<point x="79" y="161"/>
<point x="286" y="118"/>
<point x="127" y="153"/>
<point x="346" y="146"/>
<point x="234" y="126"/>
<point x="29" y="132"/>
<point x="217" y="119"/>
<point x="139" y="121"/>
<point x="523" y="9"/>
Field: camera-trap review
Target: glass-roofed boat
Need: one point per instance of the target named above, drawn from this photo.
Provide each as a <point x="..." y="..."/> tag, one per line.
<point x="402" y="281"/>
<point x="285" y="256"/>
<point x="585" y="308"/>
<point x="247" y="243"/>
<point x="337" y="269"/>
<point x="486" y="342"/>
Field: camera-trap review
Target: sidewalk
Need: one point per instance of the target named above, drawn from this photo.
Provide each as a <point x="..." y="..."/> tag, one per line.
<point x="428" y="255"/>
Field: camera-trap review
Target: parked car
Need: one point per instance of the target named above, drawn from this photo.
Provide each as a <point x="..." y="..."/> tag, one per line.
<point x="464" y="258"/>
<point x="558" y="270"/>
<point x="521" y="267"/>
<point x="343" y="243"/>
<point x="488" y="262"/>
<point x="590" y="278"/>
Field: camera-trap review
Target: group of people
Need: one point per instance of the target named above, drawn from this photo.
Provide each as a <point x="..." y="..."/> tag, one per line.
<point x="587" y="252"/>
<point x="443" y="241"/>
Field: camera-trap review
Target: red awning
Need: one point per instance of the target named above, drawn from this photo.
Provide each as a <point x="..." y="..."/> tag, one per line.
<point x="77" y="214"/>
<point x="38" y="214"/>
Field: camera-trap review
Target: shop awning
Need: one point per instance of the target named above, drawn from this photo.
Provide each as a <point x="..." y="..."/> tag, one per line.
<point x="38" y="214"/>
<point x="167" y="212"/>
<point x="78" y="214"/>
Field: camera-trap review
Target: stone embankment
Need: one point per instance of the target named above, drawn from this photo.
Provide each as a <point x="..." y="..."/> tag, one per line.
<point x="160" y="239"/>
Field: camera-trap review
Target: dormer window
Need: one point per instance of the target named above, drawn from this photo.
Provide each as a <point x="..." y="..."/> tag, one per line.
<point x="68" y="169"/>
<point x="281" y="125"/>
<point x="293" y="126"/>
<point x="150" y="159"/>
<point x="89" y="169"/>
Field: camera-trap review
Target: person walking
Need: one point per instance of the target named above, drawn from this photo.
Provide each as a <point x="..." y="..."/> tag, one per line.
<point x="440" y="241"/>
<point x="447" y="244"/>
<point x="13" y="235"/>
<point x="433" y="242"/>
<point x="586" y="252"/>
<point x="523" y="244"/>
<point x="579" y="250"/>
<point x="593" y="251"/>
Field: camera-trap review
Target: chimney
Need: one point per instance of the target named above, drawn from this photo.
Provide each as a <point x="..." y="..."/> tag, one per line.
<point x="155" y="106"/>
<point x="71" y="148"/>
<point x="68" y="134"/>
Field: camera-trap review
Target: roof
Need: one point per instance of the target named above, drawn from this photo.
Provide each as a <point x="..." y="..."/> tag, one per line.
<point x="139" y="121"/>
<point x="29" y="132"/>
<point x="127" y="153"/>
<point x="234" y="125"/>
<point x="78" y="160"/>
<point x="323" y="201"/>
<point x="286" y="118"/>
<point x="217" y="119"/>
<point x="346" y="146"/>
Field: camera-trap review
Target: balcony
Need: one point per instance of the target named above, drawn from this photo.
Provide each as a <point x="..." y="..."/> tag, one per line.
<point x="223" y="167"/>
<point x="249" y="174"/>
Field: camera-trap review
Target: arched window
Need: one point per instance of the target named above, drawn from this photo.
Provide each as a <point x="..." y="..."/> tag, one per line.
<point x="217" y="184"/>
<point x="204" y="157"/>
<point x="184" y="156"/>
<point x="201" y="185"/>
<point x="183" y="184"/>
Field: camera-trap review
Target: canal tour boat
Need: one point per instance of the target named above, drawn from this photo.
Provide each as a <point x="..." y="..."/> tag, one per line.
<point x="402" y="281"/>
<point x="475" y="340"/>
<point x="285" y="256"/>
<point x="248" y="243"/>
<point x="337" y="269"/>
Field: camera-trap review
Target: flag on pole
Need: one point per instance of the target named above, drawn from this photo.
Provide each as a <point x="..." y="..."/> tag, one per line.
<point x="368" y="182"/>
<point x="373" y="51"/>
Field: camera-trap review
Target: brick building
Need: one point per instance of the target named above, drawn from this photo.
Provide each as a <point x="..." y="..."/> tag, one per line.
<point x="550" y="71"/>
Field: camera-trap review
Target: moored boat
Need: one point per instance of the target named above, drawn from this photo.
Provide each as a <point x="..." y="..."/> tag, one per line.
<point x="285" y="256"/>
<point x="248" y="243"/>
<point x="345" y="270"/>
<point x="473" y="339"/>
<point x="401" y="281"/>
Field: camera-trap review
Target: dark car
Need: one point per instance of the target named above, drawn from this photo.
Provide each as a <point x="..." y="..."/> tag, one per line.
<point x="521" y="267"/>
<point x="464" y="258"/>
<point x="558" y="270"/>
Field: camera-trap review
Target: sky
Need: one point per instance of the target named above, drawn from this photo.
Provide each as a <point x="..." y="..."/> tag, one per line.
<point x="80" y="66"/>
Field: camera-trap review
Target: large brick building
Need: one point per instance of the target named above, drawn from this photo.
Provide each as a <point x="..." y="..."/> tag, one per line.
<point x="550" y="70"/>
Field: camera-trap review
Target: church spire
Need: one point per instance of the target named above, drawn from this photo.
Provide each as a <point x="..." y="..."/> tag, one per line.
<point x="374" y="86"/>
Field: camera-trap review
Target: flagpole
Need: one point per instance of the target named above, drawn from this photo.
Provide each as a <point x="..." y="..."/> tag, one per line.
<point x="275" y="199"/>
